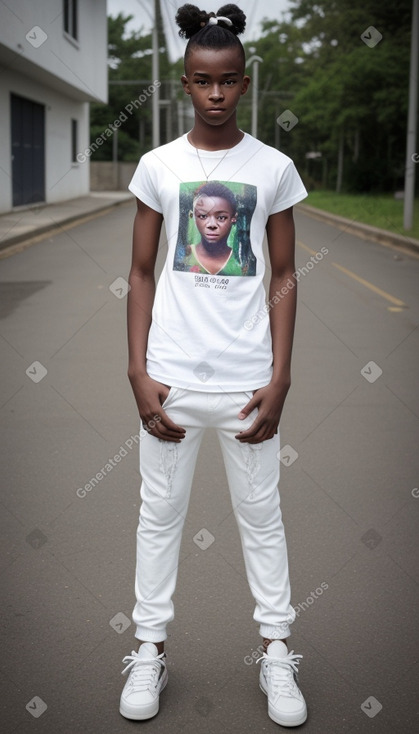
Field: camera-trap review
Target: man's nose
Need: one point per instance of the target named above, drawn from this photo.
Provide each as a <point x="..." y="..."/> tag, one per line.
<point x="216" y="92"/>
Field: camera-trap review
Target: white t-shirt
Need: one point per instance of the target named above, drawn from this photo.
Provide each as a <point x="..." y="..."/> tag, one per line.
<point x="200" y="338"/>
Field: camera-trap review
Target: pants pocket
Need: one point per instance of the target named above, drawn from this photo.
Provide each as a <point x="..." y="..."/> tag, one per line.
<point x="169" y="397"/>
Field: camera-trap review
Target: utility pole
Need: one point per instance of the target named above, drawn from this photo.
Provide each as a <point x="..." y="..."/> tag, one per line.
<point x="155" y="102"/>
<point x="115" y="174"/>
<point x="412" y="157"/>
<point x="155" y="75"/>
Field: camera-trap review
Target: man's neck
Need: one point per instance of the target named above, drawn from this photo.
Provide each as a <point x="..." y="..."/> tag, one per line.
<point x="215" y="137"/>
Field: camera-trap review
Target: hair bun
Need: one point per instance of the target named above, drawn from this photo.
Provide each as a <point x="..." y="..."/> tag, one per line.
<point x="236" y="16"/>
<point x="191" y="19"/>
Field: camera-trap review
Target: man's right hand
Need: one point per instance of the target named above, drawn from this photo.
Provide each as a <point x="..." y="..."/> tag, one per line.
<point x="150" y="396"/>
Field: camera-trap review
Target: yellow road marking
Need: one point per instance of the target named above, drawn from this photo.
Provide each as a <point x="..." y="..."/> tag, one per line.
<point x="398" y="305"/>
<point x="395" y="301"/>
<point x="301" y="244"/>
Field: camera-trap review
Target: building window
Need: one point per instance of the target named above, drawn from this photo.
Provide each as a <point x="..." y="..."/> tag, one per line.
<point x="70" y="18"/>
<point x="74" y="141"/>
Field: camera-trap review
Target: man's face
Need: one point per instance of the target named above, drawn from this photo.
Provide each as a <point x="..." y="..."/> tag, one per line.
<point x="214" y="79"/>
<point x="214" y="218"/>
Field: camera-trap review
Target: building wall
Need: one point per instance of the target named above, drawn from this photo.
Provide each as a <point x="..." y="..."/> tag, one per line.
<point x="63" y="179"/>
<point x="109" y="176"/>
<point x="60" y="73"/>
<point x="49" y="54"/>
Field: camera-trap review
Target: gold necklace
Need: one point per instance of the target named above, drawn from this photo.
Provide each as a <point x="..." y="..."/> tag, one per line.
<point x="202" y="165"/>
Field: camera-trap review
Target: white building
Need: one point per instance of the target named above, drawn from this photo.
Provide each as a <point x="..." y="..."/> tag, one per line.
<point x="53" y="62"/>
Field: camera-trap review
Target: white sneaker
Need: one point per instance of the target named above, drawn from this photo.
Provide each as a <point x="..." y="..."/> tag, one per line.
<point x="278" y="680"/>
<point x="147" y="677"/>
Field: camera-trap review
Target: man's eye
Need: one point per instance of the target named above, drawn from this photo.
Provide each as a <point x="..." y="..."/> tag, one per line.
<point x="222" y="218"/>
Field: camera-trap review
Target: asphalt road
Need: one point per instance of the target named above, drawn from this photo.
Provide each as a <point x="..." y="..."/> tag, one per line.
<point x="349" y="492"/>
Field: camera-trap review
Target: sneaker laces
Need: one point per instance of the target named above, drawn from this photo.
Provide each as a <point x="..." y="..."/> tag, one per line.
<point x="142" y="670"/>
<point x="282" y="673"/>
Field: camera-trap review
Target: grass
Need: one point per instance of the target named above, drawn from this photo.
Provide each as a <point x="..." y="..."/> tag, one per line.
<point x="381" y="210"/>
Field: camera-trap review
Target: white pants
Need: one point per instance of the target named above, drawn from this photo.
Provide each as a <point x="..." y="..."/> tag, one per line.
<point x="252" y="470"/>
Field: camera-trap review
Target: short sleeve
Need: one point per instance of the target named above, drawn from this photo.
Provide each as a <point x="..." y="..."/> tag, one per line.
<point x="290" y="190"/>
<point x="143" y="184"/>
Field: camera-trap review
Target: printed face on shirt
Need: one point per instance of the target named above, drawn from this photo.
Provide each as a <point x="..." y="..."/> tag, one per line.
<point x="207" y="212"/>
<point x="214" y="218"/>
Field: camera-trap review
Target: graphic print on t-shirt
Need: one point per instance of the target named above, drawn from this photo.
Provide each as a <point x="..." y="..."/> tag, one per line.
<point x="214" y="228"/>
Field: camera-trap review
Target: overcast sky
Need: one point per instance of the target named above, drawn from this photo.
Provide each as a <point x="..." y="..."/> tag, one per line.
<point x="142" y="10"/>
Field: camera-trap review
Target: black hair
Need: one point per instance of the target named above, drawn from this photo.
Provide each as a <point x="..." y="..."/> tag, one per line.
<point x="217" y="189"/>
<point x="195" y="25"/>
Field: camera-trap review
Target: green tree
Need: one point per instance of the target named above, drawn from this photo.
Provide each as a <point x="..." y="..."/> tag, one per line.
<point x="350" y="99"/>
<point x="354" y="104"/>
<point x="129" y="60"/>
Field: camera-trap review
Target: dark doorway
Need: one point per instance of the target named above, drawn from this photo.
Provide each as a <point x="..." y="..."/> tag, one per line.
<point x="28" y="151"/>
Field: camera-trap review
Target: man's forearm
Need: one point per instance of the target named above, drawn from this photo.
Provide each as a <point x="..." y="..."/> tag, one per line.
<point x="282" y="321"/>
<point x="139" y="308"/>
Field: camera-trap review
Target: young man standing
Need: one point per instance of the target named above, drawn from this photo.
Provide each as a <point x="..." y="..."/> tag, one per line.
<point x="194" y="364"/>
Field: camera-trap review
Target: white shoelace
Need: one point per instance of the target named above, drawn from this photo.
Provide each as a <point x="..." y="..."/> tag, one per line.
<point x="280" y="673"/>
<point x="143" y="671"/>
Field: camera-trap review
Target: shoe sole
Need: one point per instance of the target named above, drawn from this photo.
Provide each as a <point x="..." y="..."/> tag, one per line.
<point x="148" y="711"/>
<point x="283" y="722"/>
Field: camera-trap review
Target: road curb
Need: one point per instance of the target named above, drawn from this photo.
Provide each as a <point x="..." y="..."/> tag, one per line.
<point x="72" y="218"/>
<point x="383" y="236"/>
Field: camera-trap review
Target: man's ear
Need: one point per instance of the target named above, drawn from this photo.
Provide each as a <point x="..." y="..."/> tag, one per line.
<point x="185" y="84"/>
<point x="245" y="84"/>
